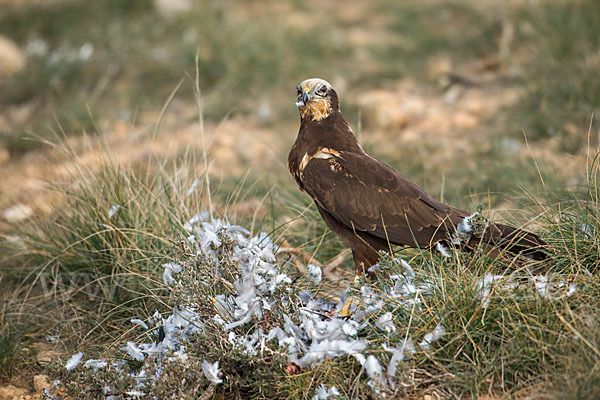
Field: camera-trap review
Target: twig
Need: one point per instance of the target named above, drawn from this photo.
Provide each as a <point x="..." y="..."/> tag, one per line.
<point x="297" y="252"/>
<point x="336" y="261"/>
<point x="209" y="392"/>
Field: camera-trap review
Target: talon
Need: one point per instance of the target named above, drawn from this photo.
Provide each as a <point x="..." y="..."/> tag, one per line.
<point x="345" y="311"/>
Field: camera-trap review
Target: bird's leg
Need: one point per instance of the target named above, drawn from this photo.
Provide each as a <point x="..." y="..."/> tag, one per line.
<point x="365" y="256"/>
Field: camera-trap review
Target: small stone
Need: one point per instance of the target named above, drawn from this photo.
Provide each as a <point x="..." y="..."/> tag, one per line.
<point x="40" y="382"/>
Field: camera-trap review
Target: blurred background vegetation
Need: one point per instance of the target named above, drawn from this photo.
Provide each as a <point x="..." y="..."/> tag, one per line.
<point x="85" y="66"/>
<point x="95" y="61"/>
<point x="493" y="103"/>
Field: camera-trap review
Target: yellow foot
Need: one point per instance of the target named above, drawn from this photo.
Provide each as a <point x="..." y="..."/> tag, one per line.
<point x="345" y="311"/>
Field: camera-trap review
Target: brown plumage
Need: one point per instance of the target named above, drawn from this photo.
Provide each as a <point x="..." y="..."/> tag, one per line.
<point x="370" y="204"/>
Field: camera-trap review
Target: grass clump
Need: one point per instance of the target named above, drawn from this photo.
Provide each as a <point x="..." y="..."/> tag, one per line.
<point x="462" y="326"/>
<point x="204" y="284"/>
<point x="11" y="356"/>
<point x="499" y="341"/>
<point x="574" y="224"/>
<point x="101" y="250"/>
<point x="579" y="377"/>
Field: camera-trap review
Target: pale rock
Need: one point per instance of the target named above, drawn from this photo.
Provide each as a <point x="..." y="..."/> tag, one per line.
<point x="40" y="382"/>
<point x="264" y="112"/>
<point x="44" y="357"/>
<point x="17" y="213"/>
<point x="10" y="392"/>
<point x="465" y="120"/>
<point x="171" y="8"/>
<point x="453" y="94"/>
<point x="385" y="109"/>
<point x="4" y="155"/>
<point x="12" y="59"/>
<point x="438" y="67"/>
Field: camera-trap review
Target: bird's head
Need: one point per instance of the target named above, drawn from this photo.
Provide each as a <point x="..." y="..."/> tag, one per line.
<point x="316" y="99"/>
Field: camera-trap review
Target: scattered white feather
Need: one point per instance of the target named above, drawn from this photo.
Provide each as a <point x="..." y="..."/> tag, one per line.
<point x="134" y="351"/>
<point x="177" y="319"/>
<point x="194" y="186"/>
<point x="386" y="323"/>
<point x="139" y="322"/>
<point x="541" y="285"/>
<point x="135" y="393"/>
<point x="375" y="372"/>
<point x="484" y="286"/>
<point x="217" y="318"/>
<point x="113" y="210"/>
<point x="360" y="358"/>
<point x="193" y="222"/>
<point x="372" y="301"/>
<point x="323" y="394"/>
<point x="312" y="335"/>
<point x="95" y="364"/>
<point x="587" y="229"/>
<point x="433" y="336"/>
<point x="314" y="273"/>
<point x="572" y="289"/>
<point x="350" y="328"/>
<point x="320" y="350"/>
<point x="373" y="269"/>
<point x="74" y="361"/>
<point x="464" y="229"/>
<point x="407" y="349"/>
<point x="211" y="372"/>
<point x="209" y="238"/>
<point x="170" y="268"/>
<point x="409" y="271"/>
<point x="441" y="247"/>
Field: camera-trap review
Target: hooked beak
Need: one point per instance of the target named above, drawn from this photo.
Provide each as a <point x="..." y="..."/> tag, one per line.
<point x="304" y="100"/>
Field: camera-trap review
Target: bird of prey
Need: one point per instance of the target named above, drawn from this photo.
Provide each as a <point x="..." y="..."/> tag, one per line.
<point x="373" y="206"/>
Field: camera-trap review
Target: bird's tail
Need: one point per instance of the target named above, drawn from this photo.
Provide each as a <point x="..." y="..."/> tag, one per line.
<point x="514" y="240"/>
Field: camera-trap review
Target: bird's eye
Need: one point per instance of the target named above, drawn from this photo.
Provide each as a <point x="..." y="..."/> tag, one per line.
<point x="322" y="91"/>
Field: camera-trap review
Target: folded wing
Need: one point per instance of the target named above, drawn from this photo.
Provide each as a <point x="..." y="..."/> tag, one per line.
<point x="368" y="195"/>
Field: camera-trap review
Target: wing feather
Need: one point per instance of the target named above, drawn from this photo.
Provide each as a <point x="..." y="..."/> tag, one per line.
<point x="368" y="195"/>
